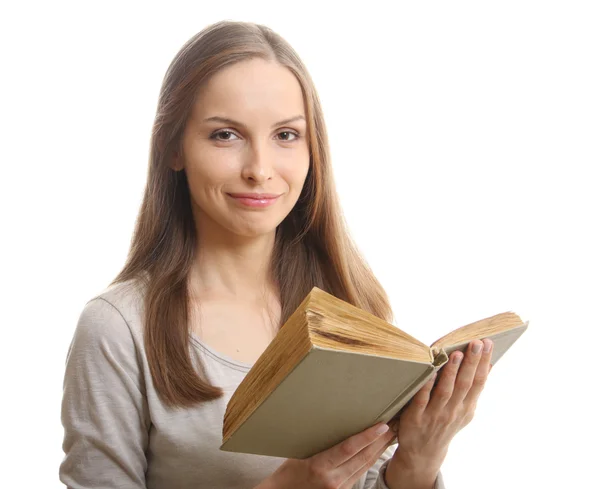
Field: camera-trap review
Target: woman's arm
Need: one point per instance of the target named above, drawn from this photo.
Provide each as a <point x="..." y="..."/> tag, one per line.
<point x="104" y="409"/>
<point x="375" y="478"/>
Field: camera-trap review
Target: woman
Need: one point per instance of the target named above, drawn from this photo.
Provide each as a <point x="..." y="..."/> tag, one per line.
<point x="238" y="222"/>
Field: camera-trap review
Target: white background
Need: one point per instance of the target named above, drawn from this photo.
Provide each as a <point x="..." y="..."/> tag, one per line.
<point x="466" y="146"/>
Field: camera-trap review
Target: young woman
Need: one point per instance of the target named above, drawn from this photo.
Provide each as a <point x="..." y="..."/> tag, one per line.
<point x="239" y="220"/>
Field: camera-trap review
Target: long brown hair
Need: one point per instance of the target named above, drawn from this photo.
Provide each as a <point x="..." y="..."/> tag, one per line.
<point x="312" y="245"/>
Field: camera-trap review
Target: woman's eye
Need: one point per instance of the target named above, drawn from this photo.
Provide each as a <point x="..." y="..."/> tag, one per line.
<point x="287" y="136"/>
<point x="289" y="133"/>
<point x="216" y="134"/>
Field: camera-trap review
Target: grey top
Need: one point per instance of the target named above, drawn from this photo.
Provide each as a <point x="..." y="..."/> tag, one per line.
<point x="119" y="434"/>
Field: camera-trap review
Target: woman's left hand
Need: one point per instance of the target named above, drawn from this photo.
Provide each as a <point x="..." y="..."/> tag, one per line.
<point x="435" y="414"/>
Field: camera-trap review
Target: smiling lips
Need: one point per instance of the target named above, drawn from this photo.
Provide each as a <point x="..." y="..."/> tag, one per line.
<point x="255" y="200"/>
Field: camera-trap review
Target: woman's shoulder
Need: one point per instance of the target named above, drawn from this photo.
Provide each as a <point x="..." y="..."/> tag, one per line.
<point x="126" y="297"/>
<point x="113" y="315"/>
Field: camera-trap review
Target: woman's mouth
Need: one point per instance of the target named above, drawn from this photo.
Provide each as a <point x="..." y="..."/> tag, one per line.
<point x="255" y="199"/>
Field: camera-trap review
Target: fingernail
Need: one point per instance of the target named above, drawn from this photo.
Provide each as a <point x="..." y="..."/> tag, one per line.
<point x="457" y="358"/>
<point x="476" y="347"/>
<point x="382" y="429"/>
<point x="488" y="346"/>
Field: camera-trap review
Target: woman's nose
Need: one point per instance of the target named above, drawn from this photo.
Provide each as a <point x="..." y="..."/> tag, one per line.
<point x="257" y="166"/>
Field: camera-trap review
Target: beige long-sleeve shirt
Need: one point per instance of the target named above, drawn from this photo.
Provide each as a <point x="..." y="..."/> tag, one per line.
<point x="119" y="434"/>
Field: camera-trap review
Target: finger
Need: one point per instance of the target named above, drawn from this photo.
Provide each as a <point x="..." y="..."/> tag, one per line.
<point x="466" y="375"/>
<point x="442" y="392"/>
<point x="481" y="374"/>
<point x="357" y="475"/>
<point x="420" y="400"/>
<point x="354" y="468"/>
<point x="346" y="450"/>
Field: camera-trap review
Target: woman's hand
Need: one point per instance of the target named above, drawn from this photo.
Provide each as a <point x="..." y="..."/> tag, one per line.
<point x="435" y="415"/>
<point x="336" y="468"/>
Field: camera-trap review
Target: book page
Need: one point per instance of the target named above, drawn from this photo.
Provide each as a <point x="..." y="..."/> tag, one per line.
<point x="483" y="328"/>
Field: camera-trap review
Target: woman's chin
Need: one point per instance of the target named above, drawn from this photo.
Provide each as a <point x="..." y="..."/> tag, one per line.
<point x="255" y="231"/>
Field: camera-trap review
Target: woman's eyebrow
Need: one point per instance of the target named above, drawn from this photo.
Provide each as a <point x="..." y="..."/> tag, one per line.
<point x="226" y="120"/>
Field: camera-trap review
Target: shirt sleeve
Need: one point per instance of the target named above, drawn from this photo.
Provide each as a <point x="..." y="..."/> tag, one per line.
<point x="104" y="409"/>
<point x="375" y="475"/>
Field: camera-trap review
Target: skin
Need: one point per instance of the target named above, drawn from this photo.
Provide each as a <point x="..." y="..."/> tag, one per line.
<point x="239" y="311"/>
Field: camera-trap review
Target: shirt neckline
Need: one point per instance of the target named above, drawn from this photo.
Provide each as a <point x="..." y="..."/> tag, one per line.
<point x="220" y="357"/>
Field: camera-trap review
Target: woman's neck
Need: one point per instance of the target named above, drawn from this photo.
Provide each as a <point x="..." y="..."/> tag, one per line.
<point x="235" y="267"/>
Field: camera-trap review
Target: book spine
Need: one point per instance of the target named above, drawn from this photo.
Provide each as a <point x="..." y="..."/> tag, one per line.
<point x="398" y="403"/>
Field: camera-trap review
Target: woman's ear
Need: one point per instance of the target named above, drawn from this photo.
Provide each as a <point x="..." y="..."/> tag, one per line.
<point x="176" y="162"/>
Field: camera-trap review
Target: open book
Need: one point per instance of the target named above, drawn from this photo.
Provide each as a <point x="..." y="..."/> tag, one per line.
<point x="333" y="370"/>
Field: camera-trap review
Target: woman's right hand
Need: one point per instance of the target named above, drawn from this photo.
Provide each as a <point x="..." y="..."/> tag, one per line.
<point x="338" y="467"/>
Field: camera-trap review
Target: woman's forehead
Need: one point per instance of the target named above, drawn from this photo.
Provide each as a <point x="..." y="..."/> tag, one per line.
<point x="254" y="88"/>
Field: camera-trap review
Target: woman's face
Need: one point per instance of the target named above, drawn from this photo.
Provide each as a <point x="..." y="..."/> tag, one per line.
<point x="246" y="135"/>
